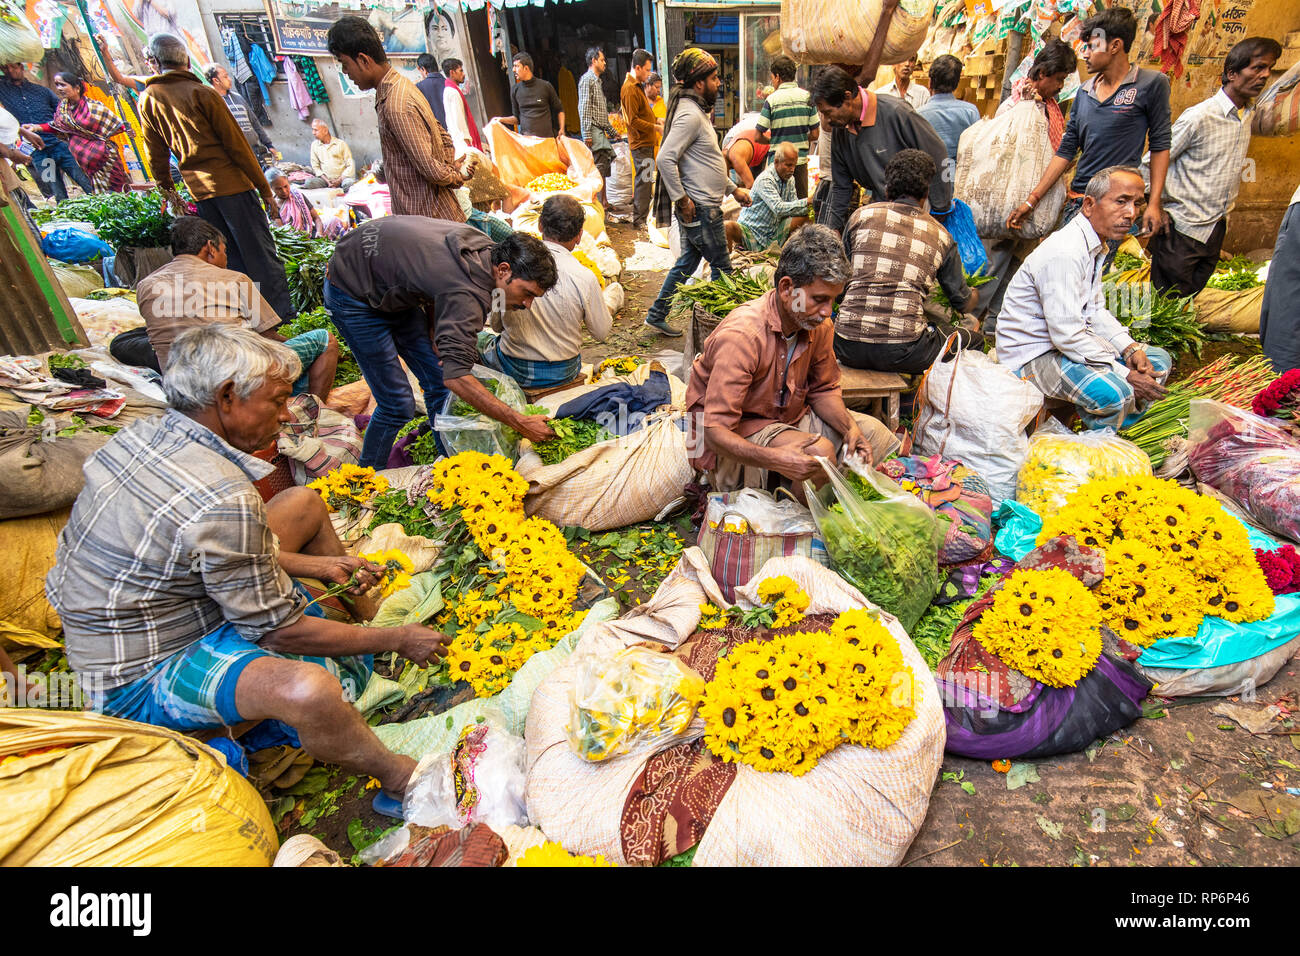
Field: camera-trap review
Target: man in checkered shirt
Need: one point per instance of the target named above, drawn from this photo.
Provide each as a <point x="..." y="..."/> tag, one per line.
<point x="898" y="251"/>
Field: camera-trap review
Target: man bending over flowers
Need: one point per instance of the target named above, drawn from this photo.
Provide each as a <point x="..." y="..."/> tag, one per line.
<point x="174" y="582"/>
<point x="764" y="397"/>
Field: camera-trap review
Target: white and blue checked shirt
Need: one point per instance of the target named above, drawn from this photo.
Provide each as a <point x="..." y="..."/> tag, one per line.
<point x="771" y="200"/>
<point x="593" y="111"/>
<point x="1055" y="303"/>
<point x="167" y="541"/>
<point x="1207" y="157"/>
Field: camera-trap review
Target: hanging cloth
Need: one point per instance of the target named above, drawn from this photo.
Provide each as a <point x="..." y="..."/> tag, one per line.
<point x="299" y="98"/>
<point x="263" y="69"/>
<point x="1171" y="29"/>
<point x="242" y="72"/>
<point x="311" y="76"/>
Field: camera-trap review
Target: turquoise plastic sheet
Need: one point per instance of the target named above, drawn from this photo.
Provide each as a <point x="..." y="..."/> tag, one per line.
<point x="1216" y="644"/>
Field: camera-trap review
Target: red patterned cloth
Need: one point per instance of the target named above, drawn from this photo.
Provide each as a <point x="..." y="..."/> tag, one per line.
<point x="474" y="845"/>
<point x="88" y="127"/>
<point x="1171" y="28"/>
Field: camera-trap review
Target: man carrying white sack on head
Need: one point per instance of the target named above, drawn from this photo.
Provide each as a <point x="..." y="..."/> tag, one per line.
<point x="1055" y="329"/>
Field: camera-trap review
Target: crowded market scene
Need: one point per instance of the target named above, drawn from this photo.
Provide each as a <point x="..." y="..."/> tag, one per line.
<point x="639" y="433"/>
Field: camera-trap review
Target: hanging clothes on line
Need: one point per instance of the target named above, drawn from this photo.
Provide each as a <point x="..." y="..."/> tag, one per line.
<point x="311" y="76"/>
<point x="299" y="98"/>
<point x="240" y="71"/>
<point x="263" y="68"/>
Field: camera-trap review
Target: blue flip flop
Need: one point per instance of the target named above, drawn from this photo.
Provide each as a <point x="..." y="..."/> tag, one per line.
<point x="387" y="806"/>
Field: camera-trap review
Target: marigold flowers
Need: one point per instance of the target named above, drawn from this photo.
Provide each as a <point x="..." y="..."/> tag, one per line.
<point x="1045" y="624"/>
<point x="780" y="705"/>
<point x="1172" y="557"/>
<point x="554" y="854"/>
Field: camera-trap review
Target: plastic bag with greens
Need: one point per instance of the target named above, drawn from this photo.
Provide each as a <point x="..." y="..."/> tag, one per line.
<point x="881" y="539"/>
<point x="464" y="428"/>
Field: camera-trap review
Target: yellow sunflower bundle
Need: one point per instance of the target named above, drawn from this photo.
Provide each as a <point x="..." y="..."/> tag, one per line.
<point x="635" y="699"/>
<point x="1173" y="557"/>
<point x="397" y="570"/>
<point x="349" y="488"/>
<point x="554" y="854"/>
<point x="781" y="705"/>
<point x="1045" y="624"/>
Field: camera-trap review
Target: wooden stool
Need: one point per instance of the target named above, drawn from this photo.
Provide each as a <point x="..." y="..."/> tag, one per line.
<point x="876" y="393"/>
<point x="533" y="394"/>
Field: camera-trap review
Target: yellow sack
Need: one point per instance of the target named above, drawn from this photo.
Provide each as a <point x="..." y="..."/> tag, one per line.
<point x="1222" y="311"/>
<point x="119" y="793"/>
<point x="28" y="545"/>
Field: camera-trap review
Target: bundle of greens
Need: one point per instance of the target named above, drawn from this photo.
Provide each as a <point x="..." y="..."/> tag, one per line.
<point x="1234" y="281"/>
<point x="719" y="296"/>
<point x="1125" y="262"/>
<point x="121" y="219"/>
<point x="36" y="418"/>
<point x="1237" y="263"/>
<point x="572" y="435"/>
<point x="348" y="370"/>
<point x="1230" y="380"/>
<point x="304" y="261"/>
<point x="393" y="507"/>
<point x="63" y="360"/>
<point x="940" y="297"/>
<point x="1155" y="318"/>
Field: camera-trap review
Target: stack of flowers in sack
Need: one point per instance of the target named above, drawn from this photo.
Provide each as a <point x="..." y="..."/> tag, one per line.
<point x="509" y="581"/>
<point x="782" y="703"/>
<point x="1172" y="557"/>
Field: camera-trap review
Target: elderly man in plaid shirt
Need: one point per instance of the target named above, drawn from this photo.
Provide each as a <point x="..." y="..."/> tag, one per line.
<point x="175" y="583"/>
<point x="593" y="115"/>
<point x="775" y="210"/>
<point x="1055" y="329"/>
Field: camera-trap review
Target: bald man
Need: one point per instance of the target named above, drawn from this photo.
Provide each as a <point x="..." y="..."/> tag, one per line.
<point x="775" y="210"/>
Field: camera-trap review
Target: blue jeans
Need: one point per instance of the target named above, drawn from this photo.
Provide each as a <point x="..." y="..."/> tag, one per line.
<point x="377" y="340"/>
<point x="704" y="238"/>
<point x="49" y="165"/>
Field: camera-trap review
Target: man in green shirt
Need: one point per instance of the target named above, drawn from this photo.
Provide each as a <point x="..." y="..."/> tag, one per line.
<point x="789" y="116"/>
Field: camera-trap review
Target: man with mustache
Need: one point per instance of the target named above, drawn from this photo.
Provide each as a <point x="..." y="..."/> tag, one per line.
<point x="1055" y="329"/>
<point x="764" y="397"/>
<point x="1206" y="158"/>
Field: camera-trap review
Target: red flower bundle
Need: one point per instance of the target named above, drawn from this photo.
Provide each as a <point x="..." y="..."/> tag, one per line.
<point x="1281" y="568"/>
<point x="1280" y="399"/>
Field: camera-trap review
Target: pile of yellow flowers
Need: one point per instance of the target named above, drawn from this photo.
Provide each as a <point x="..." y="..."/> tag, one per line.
<point x="620" y="125"/>
<point x="349" y="488"/>
<point x="781" y="705"/>
<point x="553" y="854"/>
<point x="621" y="364"/>
<point x="585" y="260"/>
<point x="638" y="697"/>
<point x="1172" y="557"/>
<point x="397" y="570"/>
<point x="526" y="571"/>
<point x="1045" y="624"/>
<point x="783" y="605"/>
<point x="551" y="182"/>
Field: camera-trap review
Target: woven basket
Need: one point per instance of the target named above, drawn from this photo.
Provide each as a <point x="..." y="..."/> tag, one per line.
<point x="703" y="322"/>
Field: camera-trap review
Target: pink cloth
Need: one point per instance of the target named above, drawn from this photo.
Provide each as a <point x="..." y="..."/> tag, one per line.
<point x="299" y="98"/>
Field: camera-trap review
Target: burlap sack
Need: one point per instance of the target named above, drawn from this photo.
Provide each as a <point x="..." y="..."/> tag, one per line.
<point x="1222" y="311"/>
<point x="857" y="807"/>
<point x="840" y="31"/>
<point x="39" y="472"/>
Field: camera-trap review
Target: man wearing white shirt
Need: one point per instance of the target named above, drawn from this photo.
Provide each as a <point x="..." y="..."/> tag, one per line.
<point x="1206" y="158"/>
<point x="541" y="345"/>
<point x="914" y="94"/>
<point x="1055" y="329"/>
<point x="460" y="122"/>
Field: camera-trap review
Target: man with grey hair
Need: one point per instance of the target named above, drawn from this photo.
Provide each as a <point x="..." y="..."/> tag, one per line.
<point x="775" y="210"/>
<point x="331" y="160"/>
<point x="259" y="141"/>
<point x="175" y="583"/>
<point x="180" y="115"/>
<point x="764" y="397"/>
<point x="1055" y="329"/>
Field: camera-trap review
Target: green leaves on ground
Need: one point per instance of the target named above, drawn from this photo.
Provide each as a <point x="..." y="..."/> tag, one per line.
<point x="959" y="777"/>
<point x="638" y="557"/>
<point x="318" y="317"/>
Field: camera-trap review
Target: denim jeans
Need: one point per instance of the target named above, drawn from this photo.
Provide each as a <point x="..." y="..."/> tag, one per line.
<point x="377" y="340"/>
<point x="49" y="165"/>
<point x="703" y="238"/>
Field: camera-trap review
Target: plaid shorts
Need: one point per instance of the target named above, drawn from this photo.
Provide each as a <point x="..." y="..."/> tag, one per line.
<point x="309" y="347"/>
<point x="1104" y="396"/>
<point x="195" y="687"/>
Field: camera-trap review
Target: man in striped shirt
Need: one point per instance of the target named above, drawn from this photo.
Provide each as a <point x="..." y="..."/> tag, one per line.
<point x="788" y="115"/>
<point x="1207" y="155"/>
<point x="419" y="156"/>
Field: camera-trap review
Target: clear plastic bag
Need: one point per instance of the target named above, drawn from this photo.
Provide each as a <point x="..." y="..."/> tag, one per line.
<point x="888" y="547"/>
<point x="480" y="781"/>
<point x="1255" y="461"/>
<point x="1060" y="462"/>
<point x="754" y="510"/>
<point x="634" y="700"/>
<point x="476" y="431"/>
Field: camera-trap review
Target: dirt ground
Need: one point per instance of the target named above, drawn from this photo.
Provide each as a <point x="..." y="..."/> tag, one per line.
<point x="1184" y="785"/>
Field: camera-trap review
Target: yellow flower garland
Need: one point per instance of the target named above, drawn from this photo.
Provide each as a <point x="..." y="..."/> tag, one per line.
<point x="1045" y="624"/>
<point x="1172" y="557"/>
<point x="554" y="854"/>
<point x="782" y="704"/>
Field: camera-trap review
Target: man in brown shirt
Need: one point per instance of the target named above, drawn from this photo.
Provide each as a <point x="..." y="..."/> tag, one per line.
<point x="196" y="289"/>
<point x="180" y="115"/>
<point x="764" y="395"/>
<point x="641" y="130"/>
<point x="419" y="156"/>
